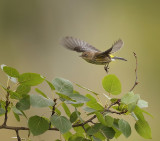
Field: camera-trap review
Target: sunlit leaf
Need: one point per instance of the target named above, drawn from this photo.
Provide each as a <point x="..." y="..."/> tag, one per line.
<point x="16" y="116"/>
<point x="143" y="129"/>
<point x="31" y="79"/>
<point x="109" y="120"/>
<point x="100" y="118"/>
<point x="142" y="104"/>
<point x="111" y="84"/>
<point x="67" y="135"/>
<point x="40" y="92"/>
<point x="66" y="109"/>
<point x="23" y="89"/>
<point x="139" y="114"/>
<point x="87" y="89"/>
<point x="93" y="103"/>
<point x="11" y="71"/>
<point x="50" y="84"/>
<point x="130" y="98"/>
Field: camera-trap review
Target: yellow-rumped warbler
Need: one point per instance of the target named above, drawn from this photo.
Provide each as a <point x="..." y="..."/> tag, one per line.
<point x="90" y="53"/>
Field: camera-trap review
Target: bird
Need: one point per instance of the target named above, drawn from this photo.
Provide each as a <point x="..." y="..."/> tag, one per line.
<point x="91" y="54"/>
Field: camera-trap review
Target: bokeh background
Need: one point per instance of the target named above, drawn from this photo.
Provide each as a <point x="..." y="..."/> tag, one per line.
<point x="30" y="32"/>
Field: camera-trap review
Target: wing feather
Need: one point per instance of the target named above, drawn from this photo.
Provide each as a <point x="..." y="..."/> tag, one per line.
<point x="115" y="47"/>
<point x="77" y="45"/>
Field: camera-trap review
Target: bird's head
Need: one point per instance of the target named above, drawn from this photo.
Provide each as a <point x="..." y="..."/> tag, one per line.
<point x="86" y="55"/>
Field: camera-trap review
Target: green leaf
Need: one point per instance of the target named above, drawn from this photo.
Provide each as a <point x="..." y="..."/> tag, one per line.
<point x="17" y="111"/>
<point x="23" y="89"/>
<point x="61" y="122"/>
<point x="50" y="84"/>
<point x="87" y="89"/>
<point x="89" y="110"/>
<point x="131" y="106"/>
<point x="108" y="132"/>
<point x="31" y="79"/>
<point x="2" y="111"/>
<point x="63" y="86"/>
<point x="40" y="92"/>
<point x="100" y="118"/>
<point x="147" y="113"/>
<point x="94" y="129"/>
<point x="38" y="125"/>
<point x="67" y="135"/>
<point x="109" y="120"/>
<point x="142" y="104"/>
<point x="24" y="103"/>
<point x="14" y="95"/>
<point x="130" y="98"/>
<point x="16" y="116"/>
<point x="96" y="139"/>
<point x="115" y="123"/>
<point x="76" y="138"/>
<point x="118" y="132"/>
<point x="100" y="135"/>
<point x="78" y="105"/>
<point x="111" y="84"/>
<point x="66" y="109"/>
<point x="11" y="71"/>
<point x="78" y="98"/>
<point x="79" y="131"/>
<point x="124" y="127"/>
<point x="2" y="107"/>
<point x="58" y="112"/>
<point x="74" y="117"/>
<point x="138" y="113"/>
<point x="93" y="103"/>
<point x="40" y="101"/>
<point x="143" y="129"/>
<point x="64" y="97"/>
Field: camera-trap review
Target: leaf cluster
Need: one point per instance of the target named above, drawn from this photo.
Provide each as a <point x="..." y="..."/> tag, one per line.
<point x="99" y="122"/>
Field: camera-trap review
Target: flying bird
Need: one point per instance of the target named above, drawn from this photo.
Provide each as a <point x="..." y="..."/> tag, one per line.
<point x="92" y="54"/>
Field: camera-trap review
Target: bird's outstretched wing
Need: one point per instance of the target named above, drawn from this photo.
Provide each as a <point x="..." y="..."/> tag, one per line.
<point x="115" y="47"/>
<point x="77" y="45"/>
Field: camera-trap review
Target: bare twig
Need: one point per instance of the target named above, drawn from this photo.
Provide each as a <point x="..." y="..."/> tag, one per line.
<point x="53" y="109"/>
<point x="136" y="81"/>
<point x="6" y="107"/>
<point x="17" y="133"/>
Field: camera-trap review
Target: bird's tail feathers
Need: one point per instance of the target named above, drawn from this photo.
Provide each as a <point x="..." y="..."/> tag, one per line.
<point x="118" y="58"/>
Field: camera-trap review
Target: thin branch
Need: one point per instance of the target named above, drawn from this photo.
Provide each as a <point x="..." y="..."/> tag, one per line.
<point x="21" y="128"/>
<point x="17" y="133"/>
<point x="136" y="81"/>
<point x="6" y="107"/>
<point x="53" y="110"/>
<point x="75" y="125"/>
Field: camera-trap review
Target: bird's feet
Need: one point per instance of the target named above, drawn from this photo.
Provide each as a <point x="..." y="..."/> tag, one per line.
<point x="106" y="68"/>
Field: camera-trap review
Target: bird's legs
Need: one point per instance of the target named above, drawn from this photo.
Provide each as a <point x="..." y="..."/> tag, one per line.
<point x="106" y="67"/>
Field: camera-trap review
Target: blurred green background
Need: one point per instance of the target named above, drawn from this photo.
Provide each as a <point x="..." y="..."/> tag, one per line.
<point x="30" y="32"/>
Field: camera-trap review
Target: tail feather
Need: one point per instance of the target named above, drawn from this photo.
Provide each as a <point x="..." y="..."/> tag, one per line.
<point x="119" y="58"/>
